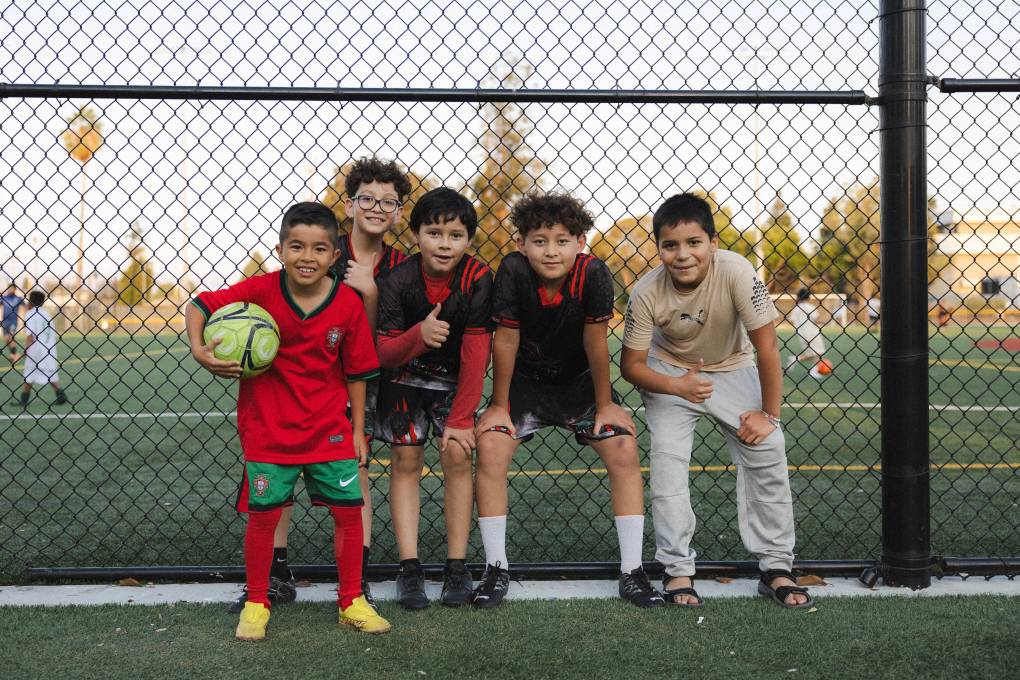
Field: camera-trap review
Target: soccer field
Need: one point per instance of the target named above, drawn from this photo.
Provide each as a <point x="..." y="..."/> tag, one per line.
<point x="143" y="467"/>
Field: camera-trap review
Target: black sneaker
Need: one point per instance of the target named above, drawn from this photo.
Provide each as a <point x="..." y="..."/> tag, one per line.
<point x="411" y="586"/>
<point x="60" y="400"/>
<point x="636" y="589"/>
<point x="366" y="590"/>
<point x="492" y="589"/>
<point x="280" y="592"/>
<point x="456" y="584"/>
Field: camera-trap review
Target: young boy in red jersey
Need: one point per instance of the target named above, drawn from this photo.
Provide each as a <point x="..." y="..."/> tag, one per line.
<point x="434" y="336"/>
<point x="288" y="421"/>
<point x="376" y="190"/>
<point x="551" y="368"/>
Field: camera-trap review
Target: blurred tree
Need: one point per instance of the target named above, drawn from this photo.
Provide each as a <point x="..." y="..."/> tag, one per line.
<point x="786" y="262"/>
<point x="256" y="264"/>
<point x="509" y="167"/>
<point x="82" y="138"/>
<point x="628" y="249"/>
<point x="136" y="279"/>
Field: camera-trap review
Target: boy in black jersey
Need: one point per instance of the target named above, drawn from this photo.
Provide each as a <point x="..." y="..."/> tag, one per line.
<point x="552" y="304"/>
<point x="434" y="336"/>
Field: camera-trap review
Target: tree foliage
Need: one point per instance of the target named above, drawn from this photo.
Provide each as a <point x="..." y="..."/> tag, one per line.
<point x="782" y="249"/>
<point x="136" y="282"/>
<point x="84" y="134"/>
<point x="257" y="264"/>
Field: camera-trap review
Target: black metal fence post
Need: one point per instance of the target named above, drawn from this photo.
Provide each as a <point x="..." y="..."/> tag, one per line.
<point x="906" y="539"/>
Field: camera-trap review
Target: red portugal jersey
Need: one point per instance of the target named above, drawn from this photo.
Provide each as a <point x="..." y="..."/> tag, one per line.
<point x="293" y="414"/>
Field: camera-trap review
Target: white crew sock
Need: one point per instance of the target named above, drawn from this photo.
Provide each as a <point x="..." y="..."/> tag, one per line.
<point x="630" y="531"/>
<point x="494" y="540"/>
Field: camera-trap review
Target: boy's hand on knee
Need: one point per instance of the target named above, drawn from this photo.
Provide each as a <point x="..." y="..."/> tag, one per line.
<point x="494" y="416"/>
<point x="754" y="427"/>
<point x="207" y="359"/>
<point x="464" y="437"/>
<point x="613" y="414"/>
<point x="692" y="385"/>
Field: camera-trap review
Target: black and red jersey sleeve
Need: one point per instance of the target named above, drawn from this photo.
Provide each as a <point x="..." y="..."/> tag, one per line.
<point x="248" y="290"/>
<point x="597" y="291"/>
<point x="390" y="318"/>
<point x="358" y="355"/>
<point x="479" y="317"/>
<point x="506" y="290"/>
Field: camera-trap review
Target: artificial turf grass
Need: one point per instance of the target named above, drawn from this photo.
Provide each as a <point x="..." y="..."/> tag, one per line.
<point x="947" y="637"/>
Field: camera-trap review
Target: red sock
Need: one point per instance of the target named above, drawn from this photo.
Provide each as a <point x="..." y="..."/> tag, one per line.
<point x="347" y="548"/>
<point x="258" y="553"/>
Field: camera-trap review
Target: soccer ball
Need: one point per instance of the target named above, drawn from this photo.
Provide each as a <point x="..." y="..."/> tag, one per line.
<point x="249" y="335"/>
<point x="824" y="367"/>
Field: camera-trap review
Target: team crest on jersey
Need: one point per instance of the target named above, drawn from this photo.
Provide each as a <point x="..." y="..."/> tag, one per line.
<point x="261" y="484"/>
<point x="333" y="336"/>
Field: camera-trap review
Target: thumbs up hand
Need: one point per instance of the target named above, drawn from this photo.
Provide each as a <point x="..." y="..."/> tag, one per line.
<point x="433" y="331"/>
<point x="693" y="386"/>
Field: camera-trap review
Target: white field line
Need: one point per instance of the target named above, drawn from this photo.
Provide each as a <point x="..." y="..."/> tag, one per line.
<point x="160" y="415"/>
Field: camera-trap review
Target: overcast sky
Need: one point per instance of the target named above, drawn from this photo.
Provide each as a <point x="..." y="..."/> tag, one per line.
<point x="233" y="167"/>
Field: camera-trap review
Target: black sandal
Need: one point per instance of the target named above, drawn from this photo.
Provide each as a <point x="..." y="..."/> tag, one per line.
<point x="669" y="595"/>
<point x="780" y="594"/>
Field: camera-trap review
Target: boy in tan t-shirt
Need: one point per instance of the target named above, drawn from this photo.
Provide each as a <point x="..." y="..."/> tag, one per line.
<point x="692" y="329"/>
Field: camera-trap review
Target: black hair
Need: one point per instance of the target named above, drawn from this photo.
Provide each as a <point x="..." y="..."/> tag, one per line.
<point x="368" y="170"/>
<point x="683" y="208"/>
<point x="36" y="298"/>
<point x="311" y="213"/>
<point x="443" y="205"/>
<point x="536" y="211"/>
<point x="803" y="294"/>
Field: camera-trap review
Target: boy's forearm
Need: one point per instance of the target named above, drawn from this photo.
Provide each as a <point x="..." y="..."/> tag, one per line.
<point x="596" y="347"/>
<point x="770" y="374"/>
<point x="504" y="356"/>
<point x="356" y="390"/>
<point x="474" y="359"/>
<point x="399" y="350"/>
<point x="194" y="324"/>
<point x="371" y="301"/>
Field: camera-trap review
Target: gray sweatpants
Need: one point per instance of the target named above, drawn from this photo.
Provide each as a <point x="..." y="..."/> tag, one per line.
<point x="764" y="502"/>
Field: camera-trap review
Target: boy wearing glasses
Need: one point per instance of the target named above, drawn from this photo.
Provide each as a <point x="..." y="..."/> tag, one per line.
<point x="376" y="191"/>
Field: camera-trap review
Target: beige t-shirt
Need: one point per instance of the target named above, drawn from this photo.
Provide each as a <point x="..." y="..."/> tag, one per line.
<point x="710" y="322"/>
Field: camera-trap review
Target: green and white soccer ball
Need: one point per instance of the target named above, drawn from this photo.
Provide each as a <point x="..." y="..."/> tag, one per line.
<point x="249" y="336"/>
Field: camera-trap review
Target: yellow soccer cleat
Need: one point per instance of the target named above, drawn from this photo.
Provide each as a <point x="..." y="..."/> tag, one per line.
<point x="362" y="616"/>
<point x="253" y="623"/>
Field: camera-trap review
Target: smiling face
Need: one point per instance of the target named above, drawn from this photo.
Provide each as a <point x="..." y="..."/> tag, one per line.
<point x="442" y="246"/>
<point x="551" y="251"/>
<point x="377" y="219"/>
<point x="307" y="253"/>
<point x="686" y="252"/>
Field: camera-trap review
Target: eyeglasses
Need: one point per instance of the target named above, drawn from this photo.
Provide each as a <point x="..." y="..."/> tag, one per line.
<point x="370" y="202"/>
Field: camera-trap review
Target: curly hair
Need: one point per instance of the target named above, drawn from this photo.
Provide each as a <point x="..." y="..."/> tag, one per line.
<point x="536" y="211"/>
<point x="368" y="170"/>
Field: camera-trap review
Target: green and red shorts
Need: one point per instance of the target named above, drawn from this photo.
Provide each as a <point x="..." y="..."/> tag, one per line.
<point x="267" y="486"/>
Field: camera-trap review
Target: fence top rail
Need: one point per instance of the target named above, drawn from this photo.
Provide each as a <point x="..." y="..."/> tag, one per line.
<point x="38" y="91"/>
<point x="949" y="85"/>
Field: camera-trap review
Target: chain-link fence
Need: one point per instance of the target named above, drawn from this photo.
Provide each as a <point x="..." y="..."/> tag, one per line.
<point x="207" y="119"/>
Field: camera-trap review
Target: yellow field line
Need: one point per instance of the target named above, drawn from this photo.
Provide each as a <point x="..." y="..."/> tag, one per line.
<point x="985" y="365"/>
<point x="108" y="357"/>
<point x="577" y="472"/>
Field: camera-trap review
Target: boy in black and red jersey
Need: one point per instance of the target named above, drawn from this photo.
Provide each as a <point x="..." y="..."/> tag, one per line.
<point x="287" y="417"/>
<point x="434" y="336"/>
<point x="551" y="368"/>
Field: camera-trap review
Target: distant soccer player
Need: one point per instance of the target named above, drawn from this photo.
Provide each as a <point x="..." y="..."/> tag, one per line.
<point x="802" y="318"/>
<point x="11" y="307"/>
<point x="553" y="304"/>
<point x="41" y="362"/>
<point x="288" y="418"/>
<point x="693" y="329"/>
<point x="435" y="329"/>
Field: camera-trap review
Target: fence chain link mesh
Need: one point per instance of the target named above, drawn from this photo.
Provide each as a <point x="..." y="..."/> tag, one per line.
<point x="120" y="209"/>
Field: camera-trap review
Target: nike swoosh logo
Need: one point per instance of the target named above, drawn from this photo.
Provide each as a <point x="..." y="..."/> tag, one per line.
<point x="345" y="482"/>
